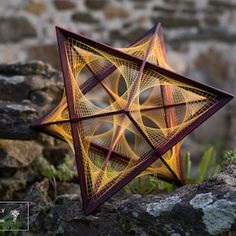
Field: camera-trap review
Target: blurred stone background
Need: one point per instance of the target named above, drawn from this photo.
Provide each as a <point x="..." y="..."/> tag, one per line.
<point x="200" y="40"/>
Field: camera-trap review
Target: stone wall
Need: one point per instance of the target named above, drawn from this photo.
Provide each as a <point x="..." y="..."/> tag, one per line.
<point x="200" y="39"/>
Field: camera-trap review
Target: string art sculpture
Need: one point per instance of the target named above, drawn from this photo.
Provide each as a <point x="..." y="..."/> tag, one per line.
<point x="124" y="112"/>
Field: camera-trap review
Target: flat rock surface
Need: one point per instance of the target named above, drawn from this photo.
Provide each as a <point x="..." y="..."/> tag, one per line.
<point x="205" y="209"/>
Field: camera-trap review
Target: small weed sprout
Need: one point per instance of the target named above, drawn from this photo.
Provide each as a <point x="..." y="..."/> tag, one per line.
<point x="9" y="223"/>
<point x="62" y="172"/>
<point x="230" y="155"/>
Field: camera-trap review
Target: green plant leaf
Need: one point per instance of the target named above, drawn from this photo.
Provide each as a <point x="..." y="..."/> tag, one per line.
<point x="230" y="155"/>
<point x="206" y="165"/>
<point x="187" y="165"/>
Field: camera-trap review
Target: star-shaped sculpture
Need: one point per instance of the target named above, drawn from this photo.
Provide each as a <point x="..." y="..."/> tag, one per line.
<point x="124" y="112"/>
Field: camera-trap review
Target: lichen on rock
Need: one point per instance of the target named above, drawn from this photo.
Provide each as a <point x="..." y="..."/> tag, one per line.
<point x="201" y="200"/>
<point x="156" y="208"/>
<point x="219" y="216"/>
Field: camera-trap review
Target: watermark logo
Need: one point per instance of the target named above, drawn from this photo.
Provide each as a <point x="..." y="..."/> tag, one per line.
<point x="14" y="216"/>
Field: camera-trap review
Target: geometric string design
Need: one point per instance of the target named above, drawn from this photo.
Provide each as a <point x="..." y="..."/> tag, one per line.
<point x="124" y="112"/>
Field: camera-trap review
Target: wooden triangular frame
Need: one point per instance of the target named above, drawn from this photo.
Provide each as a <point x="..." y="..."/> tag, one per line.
<point x="62" y="36"/>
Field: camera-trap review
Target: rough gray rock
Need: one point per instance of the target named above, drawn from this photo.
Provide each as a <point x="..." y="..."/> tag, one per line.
<point x="29" y="68"/>
<point x="27" y="90"/>
<point x="15" y="29"/>
<point x="84" y="17"/>
<point x="9" y="186"/>
<point x="96" y="4"/>
<point x="16" y="119"/>
<point x="17" y="153"/>
<point x="205" y="209"/>
<point x="47" y="53"/>
<point x="64" y="4"/>
<point x="176" y="22"/>
<point x="13" y="88"/>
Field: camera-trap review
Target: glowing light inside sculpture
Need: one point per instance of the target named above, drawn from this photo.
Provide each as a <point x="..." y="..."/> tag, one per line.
<point x="124" y="112"/>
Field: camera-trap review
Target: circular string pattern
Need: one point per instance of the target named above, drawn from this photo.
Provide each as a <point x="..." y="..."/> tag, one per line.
<point x="129" y="113"/>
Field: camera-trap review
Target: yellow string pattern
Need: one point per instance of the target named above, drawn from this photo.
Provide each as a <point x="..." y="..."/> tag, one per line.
<point x="112" y="145"/>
